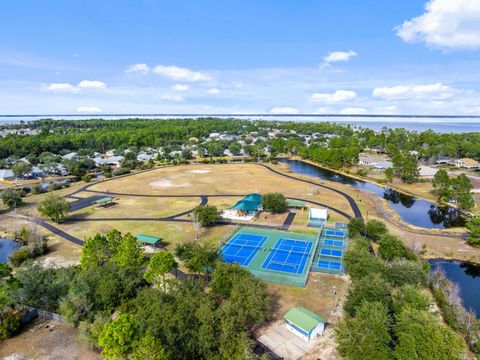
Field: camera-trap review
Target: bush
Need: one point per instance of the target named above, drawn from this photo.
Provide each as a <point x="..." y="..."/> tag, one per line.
<point x="9" y="324"/>
<point x="391" y="247"/>
<point x="87" y="178"/>
<point x="374" y="229"/>
<point x="19" y="256"/>
<point x="362" y="172"/>
<point x="401" y="272"/>
<point x="274" y="202"/>
<point x="37" y="189"/>
<point x="121" y="171"/>
<point x="356" y="227"/>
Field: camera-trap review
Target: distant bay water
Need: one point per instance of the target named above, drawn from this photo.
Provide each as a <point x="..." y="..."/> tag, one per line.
<point x="437" y="123"/>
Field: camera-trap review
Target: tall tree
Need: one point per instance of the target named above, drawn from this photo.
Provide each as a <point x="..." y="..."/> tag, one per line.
<point x="367" y="335"/>
<point x="421" y="336"/>
<point x="160" y="263"/>
<point x="54" y="207"/>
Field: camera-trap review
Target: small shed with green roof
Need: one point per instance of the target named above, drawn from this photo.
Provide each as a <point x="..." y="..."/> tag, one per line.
<point x="304" y="323"/>
<point x="296" y="204"/>
<point x="149" y="240"/>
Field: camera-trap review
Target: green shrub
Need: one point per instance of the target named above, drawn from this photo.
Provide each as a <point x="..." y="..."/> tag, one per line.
<point x="391" y="247"/>
<point x="19" y="256"/>
<point x="37" y="189"/>
<point x="374" y="229"/>
<point x="121" y="171"/>
<point x="87" y="178"/>
<point x="9" y="324"/>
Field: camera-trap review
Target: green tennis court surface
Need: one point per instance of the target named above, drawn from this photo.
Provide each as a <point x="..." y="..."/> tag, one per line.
<point x="270" y="255"/>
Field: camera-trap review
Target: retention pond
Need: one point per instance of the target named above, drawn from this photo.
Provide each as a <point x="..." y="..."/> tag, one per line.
<point x="412" y="210"/>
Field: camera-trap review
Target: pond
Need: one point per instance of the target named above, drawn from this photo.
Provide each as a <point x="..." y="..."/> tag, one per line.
<point x="467" y="276"/>
<point x="7" y="246"/>
<point x="414" y="211"/>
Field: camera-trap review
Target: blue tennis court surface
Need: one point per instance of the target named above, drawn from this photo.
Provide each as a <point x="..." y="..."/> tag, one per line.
<point x="333" y="242"/>
<point x="242" y="248"/>
<point x="288" y="256"/>
<point x="334" y="233"/>
<point x="324" y="264"/>
<point x="331" y="252"/>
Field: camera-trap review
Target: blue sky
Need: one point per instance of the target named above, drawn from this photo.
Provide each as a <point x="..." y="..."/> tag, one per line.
<point x="240" y="56"/>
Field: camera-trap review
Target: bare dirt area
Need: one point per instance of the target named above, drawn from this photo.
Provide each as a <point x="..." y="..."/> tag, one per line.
<point x="323" y="295"/>
<point x="48" y="341"/>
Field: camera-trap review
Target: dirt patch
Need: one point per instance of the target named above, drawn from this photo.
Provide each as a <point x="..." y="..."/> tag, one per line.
<point x="48" y="341"/>
<point x="200" y="171"/>
<point x="166" y="183"/>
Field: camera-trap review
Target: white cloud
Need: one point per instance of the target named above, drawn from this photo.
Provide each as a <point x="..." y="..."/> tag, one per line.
<point x="446" y="24"/>
<point x="337" y="96"/>
<point x="138" y="68"/>
<point x="427" y="91"/>
<point x="284" y="110"/>
<point x="213" y="91"/>
<point x="323" y="110"/>
<point x="353" y="111"/>
<point x="92" y="84"/>
<point x="386" y="110"/>
<point x="180" y="87"/>
<point x="172" y="97"/>
<point x="338" y="56"/>
<point x="60" y="87"/>
<point x="89" y="109"/>
<point x="178" y="73"/>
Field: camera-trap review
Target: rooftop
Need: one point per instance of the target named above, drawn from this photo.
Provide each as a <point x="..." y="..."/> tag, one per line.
<point x="303" y="318"/>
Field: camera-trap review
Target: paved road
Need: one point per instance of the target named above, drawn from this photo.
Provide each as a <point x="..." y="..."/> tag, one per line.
<point x="351" y="201"/>
<point x="175" y="218"/>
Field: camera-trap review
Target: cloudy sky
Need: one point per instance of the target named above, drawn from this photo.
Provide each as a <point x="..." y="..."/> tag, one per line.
<point x="268" y="56"/>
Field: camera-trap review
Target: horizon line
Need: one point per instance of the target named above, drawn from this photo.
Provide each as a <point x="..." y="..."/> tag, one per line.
<point x="247" y="115"/>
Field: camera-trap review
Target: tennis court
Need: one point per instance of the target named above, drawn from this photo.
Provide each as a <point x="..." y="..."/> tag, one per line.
<point x="242" y="248"/>
<point x="332" y="242"/>
<point x="272" y="255"/>
<point x="332" y="245"/>
<point x="288" y="255"/>
<point x="331" y="252"/>
<point x="333" y="265"/>
<point x="335" y="233"/>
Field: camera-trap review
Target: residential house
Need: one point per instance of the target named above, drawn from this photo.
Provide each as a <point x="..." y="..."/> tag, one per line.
<point x="467" y="163"/>
<point x="444" y="160"/>
<point x="427" y="171"/>
<point x="71" y="156"/>
<point x="6" y="175"/>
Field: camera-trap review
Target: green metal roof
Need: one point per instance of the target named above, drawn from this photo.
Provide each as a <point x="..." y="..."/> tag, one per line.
<point x="303" y="318"/>
<point x="148" y="239"/>
<point x="253" y="197"/>
<point x="248" y="203"/>
<point x="296" y="203"/>
<point x="103" y="200"/>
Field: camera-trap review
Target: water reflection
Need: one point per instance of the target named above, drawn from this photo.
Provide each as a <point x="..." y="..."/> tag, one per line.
<point x="414" y="211"/>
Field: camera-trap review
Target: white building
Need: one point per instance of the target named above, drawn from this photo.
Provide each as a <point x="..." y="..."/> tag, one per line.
<point x="6" y="174"/>
<point x="467" y="163"/>
<point x="304" y="323"/>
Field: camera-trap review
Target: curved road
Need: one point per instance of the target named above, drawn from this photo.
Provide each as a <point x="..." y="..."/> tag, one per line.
<point x="175" y="218"/>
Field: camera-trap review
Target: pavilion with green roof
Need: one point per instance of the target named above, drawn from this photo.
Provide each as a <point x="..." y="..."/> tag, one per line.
<point x="150" y="240"/>
<point x="304" y="323"/>
<point x="244" y="209"/>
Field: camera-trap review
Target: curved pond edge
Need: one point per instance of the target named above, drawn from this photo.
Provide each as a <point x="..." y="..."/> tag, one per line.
<point x="385" y="188"/>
